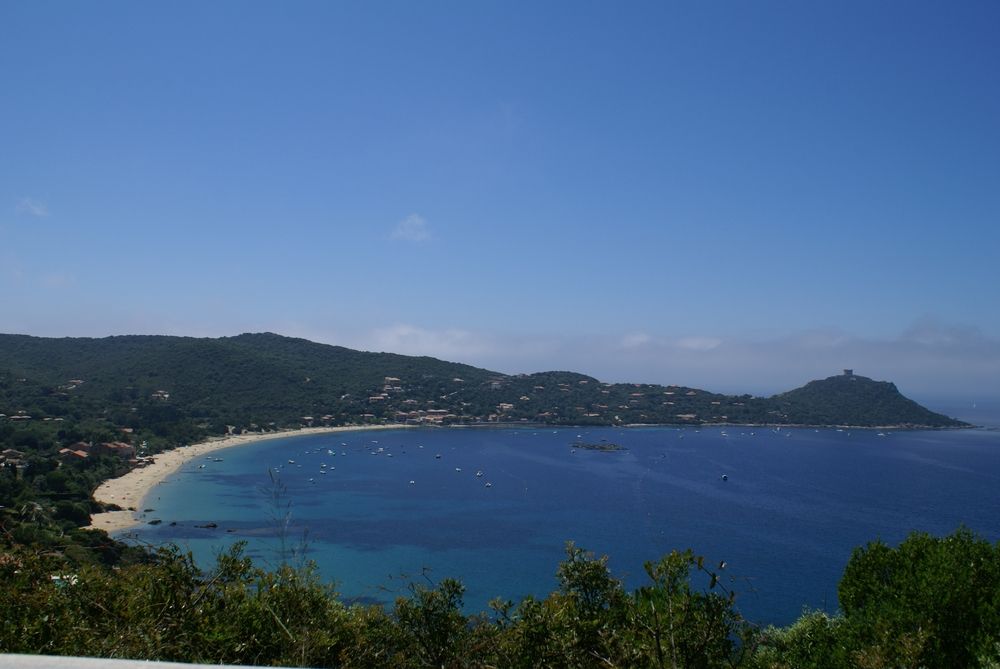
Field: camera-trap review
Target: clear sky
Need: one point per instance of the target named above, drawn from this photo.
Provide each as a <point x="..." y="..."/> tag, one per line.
<point x="740" y="196"/>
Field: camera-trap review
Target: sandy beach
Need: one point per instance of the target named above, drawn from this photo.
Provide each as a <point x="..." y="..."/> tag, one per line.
<point x="130" y="490"/>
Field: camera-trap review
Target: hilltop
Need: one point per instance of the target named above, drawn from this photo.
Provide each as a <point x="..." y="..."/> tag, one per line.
<point x="180" y="388"/>
<point x="867" y="403"/>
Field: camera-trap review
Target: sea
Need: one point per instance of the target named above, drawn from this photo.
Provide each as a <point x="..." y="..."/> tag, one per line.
<point x="775" y="512"/>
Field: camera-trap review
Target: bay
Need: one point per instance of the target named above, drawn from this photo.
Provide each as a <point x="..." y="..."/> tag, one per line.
<point x="782" y="507"/>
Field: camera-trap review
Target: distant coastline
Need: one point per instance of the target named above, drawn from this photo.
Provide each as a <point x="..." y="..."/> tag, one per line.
<point x="811" y="426"/>
<point x="131" y="490"/>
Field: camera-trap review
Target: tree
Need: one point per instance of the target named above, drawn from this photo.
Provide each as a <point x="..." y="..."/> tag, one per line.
<point x="935" y="598"/>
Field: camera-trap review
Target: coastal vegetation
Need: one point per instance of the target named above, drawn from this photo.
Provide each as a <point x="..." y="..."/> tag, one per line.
<point x="930" y="602"/>
<point x="75" y="412"/>
<point x="172" y="390"/>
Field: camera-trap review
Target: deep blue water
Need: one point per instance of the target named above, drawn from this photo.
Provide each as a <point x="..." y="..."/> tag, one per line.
<point x="795" y="504"/>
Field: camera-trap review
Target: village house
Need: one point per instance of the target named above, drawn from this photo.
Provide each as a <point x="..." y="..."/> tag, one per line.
<point x="12" y="458"/>
<point x="67" y="454"/>
<point x="117" y="448"/>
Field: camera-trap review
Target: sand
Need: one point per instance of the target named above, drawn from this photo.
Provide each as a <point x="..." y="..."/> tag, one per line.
<point x="130" y="490"/>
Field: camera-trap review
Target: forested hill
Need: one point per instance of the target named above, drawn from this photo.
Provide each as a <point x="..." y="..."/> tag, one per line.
<point x="180" y="388"/>
<point x="865" y="401"/>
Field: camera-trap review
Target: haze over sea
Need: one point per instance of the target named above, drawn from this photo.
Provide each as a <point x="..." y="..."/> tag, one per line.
<point x="388" y="509"/>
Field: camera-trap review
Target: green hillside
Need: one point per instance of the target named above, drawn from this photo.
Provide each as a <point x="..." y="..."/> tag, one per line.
<point x="179" y="388"/>
<point x="867" y="402"/>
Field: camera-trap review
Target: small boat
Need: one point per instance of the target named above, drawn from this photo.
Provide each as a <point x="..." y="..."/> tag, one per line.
<point x="725" y="477"/>
<point x="412" y="482"/>
<point x="479" y="473"/>
<point x="458" y="469"/>
<point x="437" y="457"/>
<point x="489" y="485"/>
<point x="291" y="462"/>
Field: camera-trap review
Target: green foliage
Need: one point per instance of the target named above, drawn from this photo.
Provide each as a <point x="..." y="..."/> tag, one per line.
<point x="934" y="598"/>
<point x="433" y="629"/>
<point x="173" y="390"/>
<point x="685" y="627"/>
<point x="853" y="400"/>
<point x="814" y="641"/>
<point x="929" y="603"/>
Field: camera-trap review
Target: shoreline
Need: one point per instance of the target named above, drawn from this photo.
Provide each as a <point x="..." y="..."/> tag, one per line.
<point x="133" y="487"/>
<point x="130" y="490"/>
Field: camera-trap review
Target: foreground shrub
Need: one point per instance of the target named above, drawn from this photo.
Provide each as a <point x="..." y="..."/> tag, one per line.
<point x="930" y="602"/>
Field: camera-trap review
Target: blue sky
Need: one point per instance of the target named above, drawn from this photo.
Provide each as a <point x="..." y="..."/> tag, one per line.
<point x="740" y="196"/>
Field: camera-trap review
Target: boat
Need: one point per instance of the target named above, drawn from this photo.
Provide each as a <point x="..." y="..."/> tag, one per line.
<point x="725" y="477"/>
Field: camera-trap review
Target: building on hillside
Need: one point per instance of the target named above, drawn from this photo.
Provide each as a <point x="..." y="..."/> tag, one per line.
<point x="68" y="454"/>
<point x="118" y="448"/>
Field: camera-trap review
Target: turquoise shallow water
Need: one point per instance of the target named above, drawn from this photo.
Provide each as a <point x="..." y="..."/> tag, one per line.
<point x="794" y="505"/>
